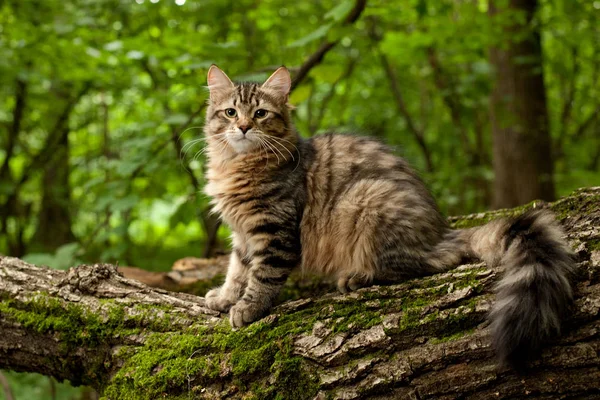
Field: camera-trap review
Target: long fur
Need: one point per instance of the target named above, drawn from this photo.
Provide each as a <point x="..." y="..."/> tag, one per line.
<point x="534" y="293"/>
<point x="347" y="207"/>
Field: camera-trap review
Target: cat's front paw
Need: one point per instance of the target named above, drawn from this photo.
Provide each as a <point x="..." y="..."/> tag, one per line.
<point x="216" y="301"/>
<point x="244" y="313"/>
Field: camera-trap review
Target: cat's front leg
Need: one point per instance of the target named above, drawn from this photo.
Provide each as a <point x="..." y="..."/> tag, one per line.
<point x="222" y="298"/>
<point x="271" y="266"/>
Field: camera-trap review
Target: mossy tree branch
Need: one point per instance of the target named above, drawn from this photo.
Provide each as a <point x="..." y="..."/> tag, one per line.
<point x="426" y="338"/>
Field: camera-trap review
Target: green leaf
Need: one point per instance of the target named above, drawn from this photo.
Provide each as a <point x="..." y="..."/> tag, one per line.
<point x="64" y="257"/>
<point x="125" y="203"/>
<point x="126" y="167"/>
<point x="300" y="94"/>
<point x="340" y="11"/>
<point x="185" y="212"/>
<point x="135" y="55"/>
<point x="200" y="65"/>
<point x="93" y="52"/>
<point x="328" y="73"/>
<point x="113" y="46"/>
<point x="176" y="119"/>
<point x="317" y="34"/>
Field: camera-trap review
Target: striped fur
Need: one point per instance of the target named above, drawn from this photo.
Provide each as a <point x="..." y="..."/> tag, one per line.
<point x="348" y="208"/>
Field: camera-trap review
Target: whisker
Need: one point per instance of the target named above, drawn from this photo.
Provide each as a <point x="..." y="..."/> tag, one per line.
<point x="293" y="145"/>
<point x="272" y="145"/>
<point x="189" y="144"/>
<point x="286" y="149"/>
<point x="220" y="141"/>
<point x="223" y="147"/>
<point x="188" y="129"/>
<point x="262" y="147"/>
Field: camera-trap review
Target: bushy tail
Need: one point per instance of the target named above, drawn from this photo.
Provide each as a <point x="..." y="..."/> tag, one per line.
<point x="534" y="292"/>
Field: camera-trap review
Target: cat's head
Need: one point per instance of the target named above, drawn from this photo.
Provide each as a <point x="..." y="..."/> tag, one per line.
<point x="248" y="117"/>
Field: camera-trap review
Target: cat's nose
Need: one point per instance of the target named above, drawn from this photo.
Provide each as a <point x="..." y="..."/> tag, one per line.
<point x="244" y="128"/>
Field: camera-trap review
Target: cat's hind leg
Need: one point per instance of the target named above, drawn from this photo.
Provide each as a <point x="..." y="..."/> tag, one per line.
<point x="351" y="283"/>
<point x="356" y="218"/>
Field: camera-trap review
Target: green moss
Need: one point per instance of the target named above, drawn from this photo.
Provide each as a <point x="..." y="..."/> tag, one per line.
<point x="192" y="358"/>
<point x="73" y="326"/>
<point x="483" y="218"/>
<point x="354" y="314"/>
<point x="451" y="337"/>
<point x="418" y="310"/>
<point x="76" y="327"/>
<point x="578" y="203"/>
<point x="456" y="324"/>
<point x="593" y="244"/>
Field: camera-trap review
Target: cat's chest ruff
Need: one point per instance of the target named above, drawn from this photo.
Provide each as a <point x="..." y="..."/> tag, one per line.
<point x="229" y="193"/>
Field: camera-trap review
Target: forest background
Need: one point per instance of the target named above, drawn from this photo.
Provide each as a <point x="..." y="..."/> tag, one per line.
<point x="102" y="102"/>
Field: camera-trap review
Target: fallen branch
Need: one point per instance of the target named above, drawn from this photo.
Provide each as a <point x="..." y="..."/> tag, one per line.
<point x="425" y="338"/>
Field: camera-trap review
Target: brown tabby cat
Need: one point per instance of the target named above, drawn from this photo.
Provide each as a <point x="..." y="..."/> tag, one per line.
<point x="347" y="207"/>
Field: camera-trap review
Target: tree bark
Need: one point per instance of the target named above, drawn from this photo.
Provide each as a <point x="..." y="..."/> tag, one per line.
<point x="422" y="339"/>
<point x="522" y="147"/>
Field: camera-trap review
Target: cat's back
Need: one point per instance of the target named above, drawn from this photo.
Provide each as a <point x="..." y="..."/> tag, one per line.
<point x="355" y="150"/>
<point x="340" y="160"/>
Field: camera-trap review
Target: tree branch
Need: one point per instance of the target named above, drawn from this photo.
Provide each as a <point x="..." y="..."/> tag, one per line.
<point x="450" y="98"/>
<point x="176" y="133"/>
<point x="314" y="125"/>
<point x="55" y="136"/>
<point x="424" y="338"/>
<point x="567" y="108"/>
<point x="417" y="133"/>
<point x="316" y="58"/>
<point x="581" y="129"/>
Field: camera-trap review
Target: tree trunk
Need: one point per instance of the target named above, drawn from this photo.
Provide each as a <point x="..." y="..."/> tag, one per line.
<point x="54" y="226"/>
<point x="422" y="339"/>
<point x="519" y="116"/>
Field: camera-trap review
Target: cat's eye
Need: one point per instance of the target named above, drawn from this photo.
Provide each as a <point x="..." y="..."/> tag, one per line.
<point x="260" y="113"/>
<point x="230" y="112"/>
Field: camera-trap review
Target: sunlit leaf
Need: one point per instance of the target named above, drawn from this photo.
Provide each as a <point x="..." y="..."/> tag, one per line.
<point x="113" y="46"/>
<point x="176" y="119"/>
<point x="300" y="94"/>
<point x="124" y="203"/>
<point x="135" y="55"/>
<point x="340" y="11"/>
<point x="317" y="34"/>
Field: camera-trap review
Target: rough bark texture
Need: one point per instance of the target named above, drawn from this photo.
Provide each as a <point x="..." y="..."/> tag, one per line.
<point x="522" y="147"/>
<point x="426" y="338"/>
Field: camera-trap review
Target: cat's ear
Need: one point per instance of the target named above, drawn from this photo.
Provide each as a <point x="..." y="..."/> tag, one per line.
<point x="218" y="82"/>
<point x="280" y="82"/>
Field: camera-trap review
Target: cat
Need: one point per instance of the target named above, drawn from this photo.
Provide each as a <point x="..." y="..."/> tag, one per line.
<point x="347" y="207"/>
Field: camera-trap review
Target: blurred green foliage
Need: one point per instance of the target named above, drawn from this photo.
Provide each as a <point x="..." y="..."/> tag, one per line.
<point x="123" y="83"/>
<point x="39" y="387"/>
